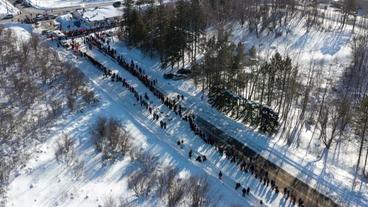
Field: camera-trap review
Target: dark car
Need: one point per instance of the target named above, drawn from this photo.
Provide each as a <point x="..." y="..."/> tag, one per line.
<point x="174" y="76"/>
<point x="51" y="16"/>
<point x="117" y="4"/>
<point x="8" y="16"/>
<point x="184" y="71"/>
<point x="26" y="4"/>
<point x="168" y="75"/>
<point x="39" y="17"/>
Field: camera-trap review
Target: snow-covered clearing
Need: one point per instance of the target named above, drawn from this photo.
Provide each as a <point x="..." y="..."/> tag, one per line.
<point x="7" y="8"/>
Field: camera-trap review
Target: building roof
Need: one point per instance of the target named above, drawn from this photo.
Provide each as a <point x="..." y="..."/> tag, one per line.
<point x="99" y="14"/>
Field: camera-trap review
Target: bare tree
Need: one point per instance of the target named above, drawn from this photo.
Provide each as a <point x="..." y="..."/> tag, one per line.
<point x="166" y="180"/>
<point x="176" y="193"/>
<point x="65" y="150"/>
<point x="111" y="138"/>
<point x="198" y="191"/>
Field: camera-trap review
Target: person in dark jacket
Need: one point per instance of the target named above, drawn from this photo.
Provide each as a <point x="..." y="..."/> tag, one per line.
<point x="237" y="185"/>
<point x="244" y="191"/>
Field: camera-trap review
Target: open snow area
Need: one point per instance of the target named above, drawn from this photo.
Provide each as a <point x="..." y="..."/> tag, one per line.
<point x="7" y="8"/>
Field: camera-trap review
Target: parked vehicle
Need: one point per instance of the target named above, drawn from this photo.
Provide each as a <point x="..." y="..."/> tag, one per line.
<point x="174" y="76"/>
<point x="44" y="32"/>
<point x="8" y="16"/>
<point x="65" y="44"/>
<point x="39" y="17"/>
<point x="117" y="4"/>
<point x="184" y="71"/>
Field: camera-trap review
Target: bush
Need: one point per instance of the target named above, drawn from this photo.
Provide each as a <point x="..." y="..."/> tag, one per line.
<point x="141" y="182"/>
<point x="198" y="191"/>
<point x="111" y="138"/>
<point x="166" y="180"/>
<point x="89" y="97"/>
<point x="109" y="202"/>
<point x="65" y="150"/>
<point x="176" y="193"/>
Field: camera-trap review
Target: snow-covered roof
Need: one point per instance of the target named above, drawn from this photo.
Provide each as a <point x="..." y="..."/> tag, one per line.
<point x="99" y="14"/>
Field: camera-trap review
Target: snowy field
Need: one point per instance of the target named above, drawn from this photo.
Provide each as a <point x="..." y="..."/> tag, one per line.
<point x="50" y="4"/>
<point x="7" y="8"/>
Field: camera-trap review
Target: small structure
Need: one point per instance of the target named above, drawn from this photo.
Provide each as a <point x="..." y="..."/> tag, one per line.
<point x="96" y="17"/>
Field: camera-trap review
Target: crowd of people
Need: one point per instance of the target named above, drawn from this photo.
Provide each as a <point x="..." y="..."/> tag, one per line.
<point x="246" y="164"/>
<point x="86" y="31"/>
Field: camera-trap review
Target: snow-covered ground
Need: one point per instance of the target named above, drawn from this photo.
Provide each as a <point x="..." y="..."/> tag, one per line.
<point x="50" y="4"/>
<point x="7" y="8"/>
<point x="329" y="49"/>
<point x="52" y="183"/>
<point x="44" y="182"/>
<point x="334" y="178"/>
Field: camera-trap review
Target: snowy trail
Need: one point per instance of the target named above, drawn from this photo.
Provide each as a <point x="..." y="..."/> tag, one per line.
<point x="209" y="166"/>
